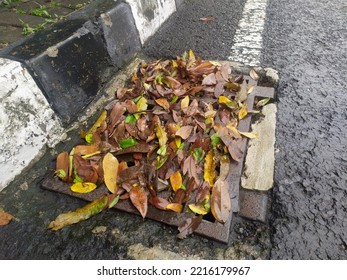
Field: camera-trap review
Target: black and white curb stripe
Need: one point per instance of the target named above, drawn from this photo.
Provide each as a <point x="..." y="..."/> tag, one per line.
<point x="48" y="79"/>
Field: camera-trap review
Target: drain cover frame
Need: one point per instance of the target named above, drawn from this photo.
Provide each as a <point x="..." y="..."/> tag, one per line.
<point x="212" y="230"/>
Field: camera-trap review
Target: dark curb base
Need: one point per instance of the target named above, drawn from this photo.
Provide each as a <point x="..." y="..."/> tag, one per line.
<point x="72" y="60"/>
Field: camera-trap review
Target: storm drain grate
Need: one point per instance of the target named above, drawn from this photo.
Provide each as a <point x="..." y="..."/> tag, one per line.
<point x="208" y="227"/>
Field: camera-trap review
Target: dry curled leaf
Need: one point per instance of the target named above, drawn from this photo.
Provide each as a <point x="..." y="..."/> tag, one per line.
<point x="5" y="218"/>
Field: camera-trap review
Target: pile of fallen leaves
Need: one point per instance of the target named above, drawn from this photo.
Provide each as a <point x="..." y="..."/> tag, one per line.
<point x="166" y="141"/>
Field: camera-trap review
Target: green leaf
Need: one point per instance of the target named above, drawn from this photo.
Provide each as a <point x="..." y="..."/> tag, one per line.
<point x="130" y="119"/>
<point x="77" y="179"/>
<point x="263" y="102"/>
<point x="80" y="214"/>
<point x="113" y="201"/>
<point x="174" y="99"/>
<point x="89" y="138"/>
<point x="198" y="154"/>
<point x="162" y="151"/>
<point x="127" y="142"/>
<point x="215" y="140"/>
<point x="161" y="160"/>
<point x="159" y="78"/>
<point x="61" y="173"/>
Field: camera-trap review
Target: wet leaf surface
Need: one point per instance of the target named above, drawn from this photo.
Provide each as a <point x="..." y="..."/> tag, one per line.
<point x="167" y="140"/>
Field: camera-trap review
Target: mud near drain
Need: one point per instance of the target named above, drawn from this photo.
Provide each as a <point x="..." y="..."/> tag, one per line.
<point x="308" y="48"/>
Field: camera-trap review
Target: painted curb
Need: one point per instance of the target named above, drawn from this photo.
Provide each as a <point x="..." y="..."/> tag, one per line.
<point x="49" y="78"/>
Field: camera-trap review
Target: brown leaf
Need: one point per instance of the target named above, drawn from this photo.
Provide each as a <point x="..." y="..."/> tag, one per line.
<point x="220" y="201"/>
<point x="189" y="166"/>
<point x="110" y="166"/>
<point x="62" y="164"/>
<point x="173" y="82"/>
<point x="115" y="116"/>
<point x="202" y="192"/>
<point x="184" y="132"/>
<point x="207" y="19"/>
<point x="194" y="90"/>
<point x="209" y="80"/>
<point x="254" y="75"/>
<point x="180" y="196"/>
<point x="5" y="218"/>
<point x="139" y="148"/>
<point x="163" y="103"/>
<point x="225" y="71"/>
<point x="233" y="145"/>
<point x="131" y="106"/>
<point x="85" y="149"/>
<point x="141" y="124"/>
<point x="203" y="68"/>
<point x="85" y="170"/>
<point x="242" y="93"/>
<point x="189" y="226"/>
<point x="139" y="199"/>
<point x="159" y="202"/>
<point x="192" y="109"/>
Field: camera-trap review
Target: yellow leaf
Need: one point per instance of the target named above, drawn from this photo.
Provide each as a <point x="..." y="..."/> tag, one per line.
<point x="81" y="187"/>
<point x="176" y="180"/>
<point x="224" y="100"/>
<point x="251" y="135"/>
<point x="198" y="209"/>
<point x="191" y="54"/>
<point x="234" y="132"/>
<point x="176" y="207"/>
<point x="163" y="103"/>
<point x="242" y="113"/>
<point x="174" y="63"/>
<point x="178" y="142"/>
<point x="185" y="102"/>
<point x="209" y="168"/>
<point x="80" y="214"/>
<point x="110" y="167"/>
<point x="141" y="105"/>
<point x="161" y="134"/>
<point x="98" y="122"/>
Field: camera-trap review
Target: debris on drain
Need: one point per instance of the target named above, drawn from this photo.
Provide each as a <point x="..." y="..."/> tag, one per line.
<point x="167" y="141"/>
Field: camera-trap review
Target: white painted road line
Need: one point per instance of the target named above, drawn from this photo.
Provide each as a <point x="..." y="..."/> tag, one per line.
<point x="248" y="40"/>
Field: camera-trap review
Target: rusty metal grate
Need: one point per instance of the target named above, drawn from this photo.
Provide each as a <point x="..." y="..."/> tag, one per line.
<point x="210" y="229"/>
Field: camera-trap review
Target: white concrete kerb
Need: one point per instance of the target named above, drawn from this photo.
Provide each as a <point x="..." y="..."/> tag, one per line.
<point x="149" y="15"/>
<point x="27" y="122"/>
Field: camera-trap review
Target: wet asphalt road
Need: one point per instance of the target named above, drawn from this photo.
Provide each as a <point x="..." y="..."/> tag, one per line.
<point x="306" y="42"/>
